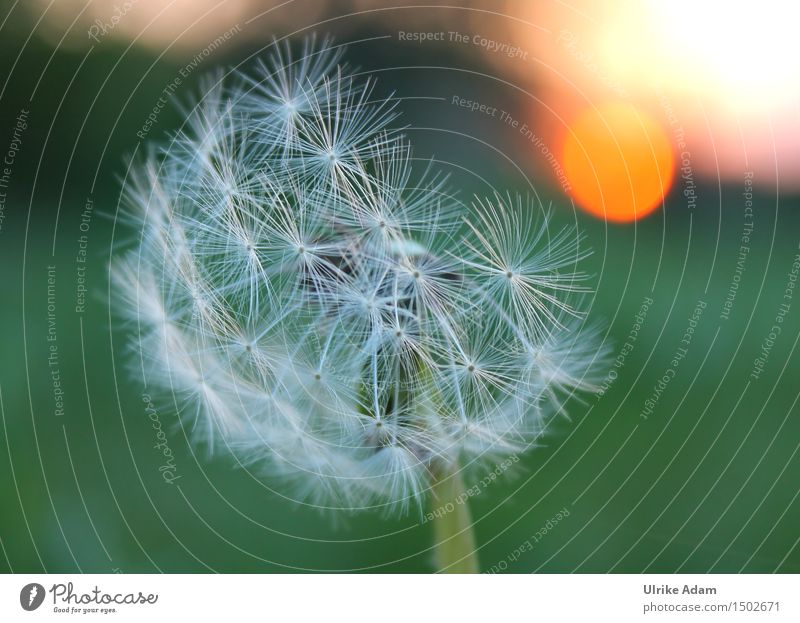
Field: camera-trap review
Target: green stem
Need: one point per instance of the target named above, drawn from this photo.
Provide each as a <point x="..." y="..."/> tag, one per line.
<point x="454" y="539"/>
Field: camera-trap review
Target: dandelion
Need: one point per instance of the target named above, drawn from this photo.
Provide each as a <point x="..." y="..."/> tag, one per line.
<point x="320" y="310"/>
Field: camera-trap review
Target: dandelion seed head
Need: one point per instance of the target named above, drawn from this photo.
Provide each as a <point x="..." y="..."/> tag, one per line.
<point x="327" y="313"/>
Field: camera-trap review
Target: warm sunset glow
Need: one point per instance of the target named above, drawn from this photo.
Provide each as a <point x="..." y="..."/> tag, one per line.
<point x="618" y="161"/>
<point x="727" y="70"/>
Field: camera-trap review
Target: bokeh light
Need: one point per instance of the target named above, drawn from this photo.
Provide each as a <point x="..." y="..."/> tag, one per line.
<point x="618" y="161"/>
<point x="727" y="70"/>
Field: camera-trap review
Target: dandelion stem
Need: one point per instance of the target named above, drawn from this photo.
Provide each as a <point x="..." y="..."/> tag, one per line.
<point x="454" y="539"/>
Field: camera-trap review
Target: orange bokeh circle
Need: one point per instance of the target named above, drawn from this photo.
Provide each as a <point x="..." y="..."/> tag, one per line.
<point x="618" y="161"/>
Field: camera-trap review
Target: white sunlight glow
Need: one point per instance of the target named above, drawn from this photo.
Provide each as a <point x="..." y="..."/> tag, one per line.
<point x="741" y="54"/>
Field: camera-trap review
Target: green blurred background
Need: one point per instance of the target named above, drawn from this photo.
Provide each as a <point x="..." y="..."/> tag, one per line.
<point x="707" y="482"/>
